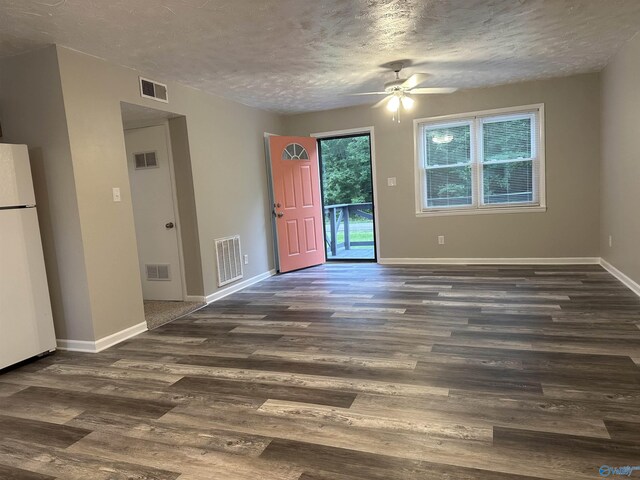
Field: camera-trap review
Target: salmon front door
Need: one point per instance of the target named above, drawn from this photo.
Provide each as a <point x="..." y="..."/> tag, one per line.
<point x="297" y="202"/>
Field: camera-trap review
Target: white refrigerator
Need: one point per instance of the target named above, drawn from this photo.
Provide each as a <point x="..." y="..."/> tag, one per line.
<point x="26" y="323"/>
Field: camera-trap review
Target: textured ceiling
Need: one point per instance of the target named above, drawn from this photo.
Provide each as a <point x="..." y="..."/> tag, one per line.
<point x="304" y="55"/>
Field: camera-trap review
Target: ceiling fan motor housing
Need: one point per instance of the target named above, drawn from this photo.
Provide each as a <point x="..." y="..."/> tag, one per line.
<point x="394" y="85"/>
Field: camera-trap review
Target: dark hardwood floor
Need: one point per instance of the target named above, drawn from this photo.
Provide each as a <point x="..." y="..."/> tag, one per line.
<point x="350" y="371"/>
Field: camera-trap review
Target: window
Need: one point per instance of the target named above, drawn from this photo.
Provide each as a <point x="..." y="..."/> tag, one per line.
<point x="295" y="151"/>
<point x="482" y="162"/>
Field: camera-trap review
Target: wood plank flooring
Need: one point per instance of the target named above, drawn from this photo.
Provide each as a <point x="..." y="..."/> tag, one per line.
<point x="349" y="371"/>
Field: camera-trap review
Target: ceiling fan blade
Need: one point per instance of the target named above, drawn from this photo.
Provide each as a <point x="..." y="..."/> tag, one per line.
<point x="382" y="102"/>
<point x="369" y="93"/>
<point x="415" y="80"/>
<point x="431" y="90"/>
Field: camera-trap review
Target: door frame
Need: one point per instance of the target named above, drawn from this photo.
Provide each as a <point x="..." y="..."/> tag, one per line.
<point x="174" y="201"/>
<point x="274" y="226"/>
<point x="372" y="147"/>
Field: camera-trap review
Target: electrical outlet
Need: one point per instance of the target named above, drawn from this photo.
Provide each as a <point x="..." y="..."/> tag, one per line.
<point x="440" y="239"/>
<point x="391" y="182"/>
<point x="116" y="194"/>
<point x="610" y="241"/>
<point x="246" y="259"/>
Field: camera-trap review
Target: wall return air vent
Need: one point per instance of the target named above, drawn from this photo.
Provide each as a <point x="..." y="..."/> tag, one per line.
<point x="145" y="160"/>
<point x="229" y="259"/>
<point x="154" y="90"/>
<point x="157" y="272"/>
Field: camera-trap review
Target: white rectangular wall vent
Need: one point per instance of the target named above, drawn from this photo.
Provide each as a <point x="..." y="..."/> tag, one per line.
<point x="229" y="258"/>
<point x="154" y="90"/>
<point x="157" y="272"/>
<point x="145" y="160"/>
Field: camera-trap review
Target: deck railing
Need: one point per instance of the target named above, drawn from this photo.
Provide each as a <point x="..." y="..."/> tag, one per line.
<point x="339" y="215"/>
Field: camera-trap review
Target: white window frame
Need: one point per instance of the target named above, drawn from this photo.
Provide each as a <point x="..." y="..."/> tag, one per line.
<point x="476" y="120"/>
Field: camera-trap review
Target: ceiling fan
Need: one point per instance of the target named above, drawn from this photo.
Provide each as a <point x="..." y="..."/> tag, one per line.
<point x="398" y="91"/>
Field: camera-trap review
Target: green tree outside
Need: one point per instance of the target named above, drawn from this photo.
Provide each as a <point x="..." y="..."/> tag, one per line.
<point x="346" y="179"/>
<point x="346" y="170"/>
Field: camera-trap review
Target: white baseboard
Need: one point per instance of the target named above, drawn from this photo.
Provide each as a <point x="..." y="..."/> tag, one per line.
<point x="76" y="345"/>
<point x="236" y="287"/>
<point x="108" y="341"/>
<point x="627" y="281"/>
<point x="492" y="261"/>
<point x="195" y="298"/>
<point x="103" y="343"/>
<point x="631" y="284"/>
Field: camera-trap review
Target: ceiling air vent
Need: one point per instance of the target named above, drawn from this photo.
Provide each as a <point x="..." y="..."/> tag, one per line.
<point x="229" y="260"/>
<point x="154" y="90"/>
<point x="157" y="272"/>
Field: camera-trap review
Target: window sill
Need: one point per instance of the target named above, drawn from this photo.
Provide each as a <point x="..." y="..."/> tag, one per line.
<point x="480" y="211"/>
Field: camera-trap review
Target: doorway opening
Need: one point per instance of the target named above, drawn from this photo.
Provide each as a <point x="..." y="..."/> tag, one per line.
<point x="155" y="149"/>
<point x="347" y="197"/>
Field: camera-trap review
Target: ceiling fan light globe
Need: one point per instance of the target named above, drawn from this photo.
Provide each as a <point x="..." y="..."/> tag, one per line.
<point x="407" y="102"/>
<point x="394" y="104"/>
<point x="440" y="139"/>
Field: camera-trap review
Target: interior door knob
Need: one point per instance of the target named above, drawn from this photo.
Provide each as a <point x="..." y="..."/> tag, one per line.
<point x="169" y="225"/>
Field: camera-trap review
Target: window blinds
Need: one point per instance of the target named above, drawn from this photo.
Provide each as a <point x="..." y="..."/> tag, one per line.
<point x="481" y="161"/>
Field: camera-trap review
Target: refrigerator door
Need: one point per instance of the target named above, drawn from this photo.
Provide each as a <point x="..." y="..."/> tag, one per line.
<point x="26" y="324"/>
<point x="16" y="185"/>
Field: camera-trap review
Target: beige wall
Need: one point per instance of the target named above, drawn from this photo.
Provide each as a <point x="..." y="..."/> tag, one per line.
<point x="90" y="240"/>
<point x="569" y="228"/>
<point x="620" y="168"/>
<point x="32" y="112"/>
<point x="186" y="205"/>
<point x="66" y="106"/>
<point x="227" y="159"/>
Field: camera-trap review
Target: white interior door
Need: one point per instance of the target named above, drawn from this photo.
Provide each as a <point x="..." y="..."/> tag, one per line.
<point x="153" y="209"/>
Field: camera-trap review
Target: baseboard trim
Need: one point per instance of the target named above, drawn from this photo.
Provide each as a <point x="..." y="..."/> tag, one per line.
<point x="628" y="282"/>
<point x="492" y="261"/>
<point x="113" y="339"/>
<point x="195" y="298"/>
<point x="103" y="343"/>
<point x="236" y="287"/>
<point x="76" y="345"/>
<point x="109" y="341"/>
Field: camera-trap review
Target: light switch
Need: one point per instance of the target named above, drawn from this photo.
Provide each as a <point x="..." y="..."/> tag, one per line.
<point x="116" y="194"/>
<point x="391" y="181"/>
